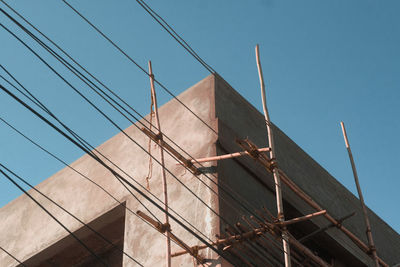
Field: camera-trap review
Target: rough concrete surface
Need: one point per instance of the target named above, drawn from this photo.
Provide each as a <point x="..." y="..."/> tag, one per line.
<point x="230" y="116"/>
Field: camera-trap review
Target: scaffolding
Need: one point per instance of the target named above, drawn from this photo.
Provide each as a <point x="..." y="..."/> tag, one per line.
<point x="259" y="234"/>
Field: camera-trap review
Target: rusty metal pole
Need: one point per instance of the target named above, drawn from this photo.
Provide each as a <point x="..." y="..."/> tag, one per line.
<point x="277" y="180"/>
<point x="360" y="195"/>
<point x="164" y="177"/>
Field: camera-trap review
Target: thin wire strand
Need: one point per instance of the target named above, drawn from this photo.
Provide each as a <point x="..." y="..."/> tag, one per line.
<point x="81" y="174"/>
<point x="54" y="218"/>
<point x="137" y="65"/>
<point x="172" y="174"/>
<point x="174" y="34"/>
<point x="112" y="122"/>
<point x="12" y="256"/>
<point x="241" y="201"/>
<point x="69" y="67"/>
<point x="214" y="182"/>
<point x="187" y="187"/>
<point x="114" y="172"/>
<point x="106" y="158"/>
<point x="94" y="106"/>
<point x="69" y="213"/>
<point x="38" y="103"/>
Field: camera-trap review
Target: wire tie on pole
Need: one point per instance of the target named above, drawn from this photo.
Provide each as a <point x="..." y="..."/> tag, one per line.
<point x="159" y="136"/>
<point x="371" y="250"/>
<point x="164" y="227"/>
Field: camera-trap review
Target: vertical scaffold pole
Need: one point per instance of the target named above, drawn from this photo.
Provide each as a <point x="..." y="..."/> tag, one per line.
<point x="278" y="191"/>
<point x="360" y="195"/>
<point x="164" y="177"/>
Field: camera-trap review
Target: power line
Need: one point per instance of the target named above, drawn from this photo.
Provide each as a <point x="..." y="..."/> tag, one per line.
<point x="137" y="65"/>
<point x="156" y="160"/>
<point x="82" y="175"/>
<point x="210" y="179"/>
<point x="64" y="62"/>
<point x="40" y="105"/>
<point x="12" y="256"/>
<point x="108" y="89"/>
<point x="108" y="118"/>
<point x="37" y="102"/>
<point x="189" y="223"/>
<point x="52" y="216"/>
<point x="114" y="172"/>
<point x="34" y="100"/>
<point x="69" y="213"/>
<point x="174" y="34"/>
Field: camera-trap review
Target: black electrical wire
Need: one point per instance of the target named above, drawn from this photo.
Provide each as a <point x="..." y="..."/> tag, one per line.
<point x="52" y="216"/>
<point x="69" y="213"/>
<point x="187" y="187"/>
<point x="70" y="66"/>
<point x="134" y="62"/>
<point x="142" y="148"/>
<point x="12" y="256"/>
<point x="34" y="100"/>
<point x="210" y="240"/>
<point x="142" y="117"/>
<point x="174" y="34"/>
<point x="114" y="172"/>
<point x="81" y="140"/>
<point x="40" y="105"/>
<point x="37" y="102"/>
<point x="94" y="149"/>
<point x="81" y="174"/>
<point x="109" y="119"/>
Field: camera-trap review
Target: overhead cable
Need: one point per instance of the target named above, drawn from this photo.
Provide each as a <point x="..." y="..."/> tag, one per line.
<point x="75" y="71"/>
<point x="53" y="217"/>
<point x="141" y="116"/>
<point x="69" y="213"/>
<point x="174" y="34"/>
<point x="109" y="119"/>
<point x="171" y="173"/>
<point x="79" y="173"/>
<point x="214" y="192"/>
<point x="12" y="256"/>
<point x="93" y="149"/>
<point x="135" y="63"/>
<point x="114" y="172"/>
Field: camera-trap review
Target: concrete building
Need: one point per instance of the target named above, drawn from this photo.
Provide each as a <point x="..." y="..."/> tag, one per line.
<point x="37" y="240"/>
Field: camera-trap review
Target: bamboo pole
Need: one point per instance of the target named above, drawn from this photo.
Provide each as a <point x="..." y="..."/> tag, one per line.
<point x="186" y="162"/>
<point x="323" y="229"/>
<point x="360" y="195"/>
<point x="296" y="189"/>
<point x="303" y="218"/>
<point x="278" y="192"/>
<point x="254" y="234"/>
<point x="306" y="198"/>
<point x="228" y="156"/>
<point x="164" y="177"/>
<point x="165" y="228"/>
<point x="306" y="251"/>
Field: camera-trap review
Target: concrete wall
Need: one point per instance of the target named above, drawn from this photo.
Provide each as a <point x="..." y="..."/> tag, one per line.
<point x="26" y="230"/>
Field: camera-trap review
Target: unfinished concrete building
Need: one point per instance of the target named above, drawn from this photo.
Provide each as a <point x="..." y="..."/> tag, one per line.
<point x="212" y="205"/>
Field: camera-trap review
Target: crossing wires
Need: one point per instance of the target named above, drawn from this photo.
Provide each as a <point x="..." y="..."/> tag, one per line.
<point x="81" y="95"/>
<point x="174" y="34"/>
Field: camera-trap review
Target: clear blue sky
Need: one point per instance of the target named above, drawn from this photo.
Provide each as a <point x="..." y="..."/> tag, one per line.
<point x="324" y="61"/>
